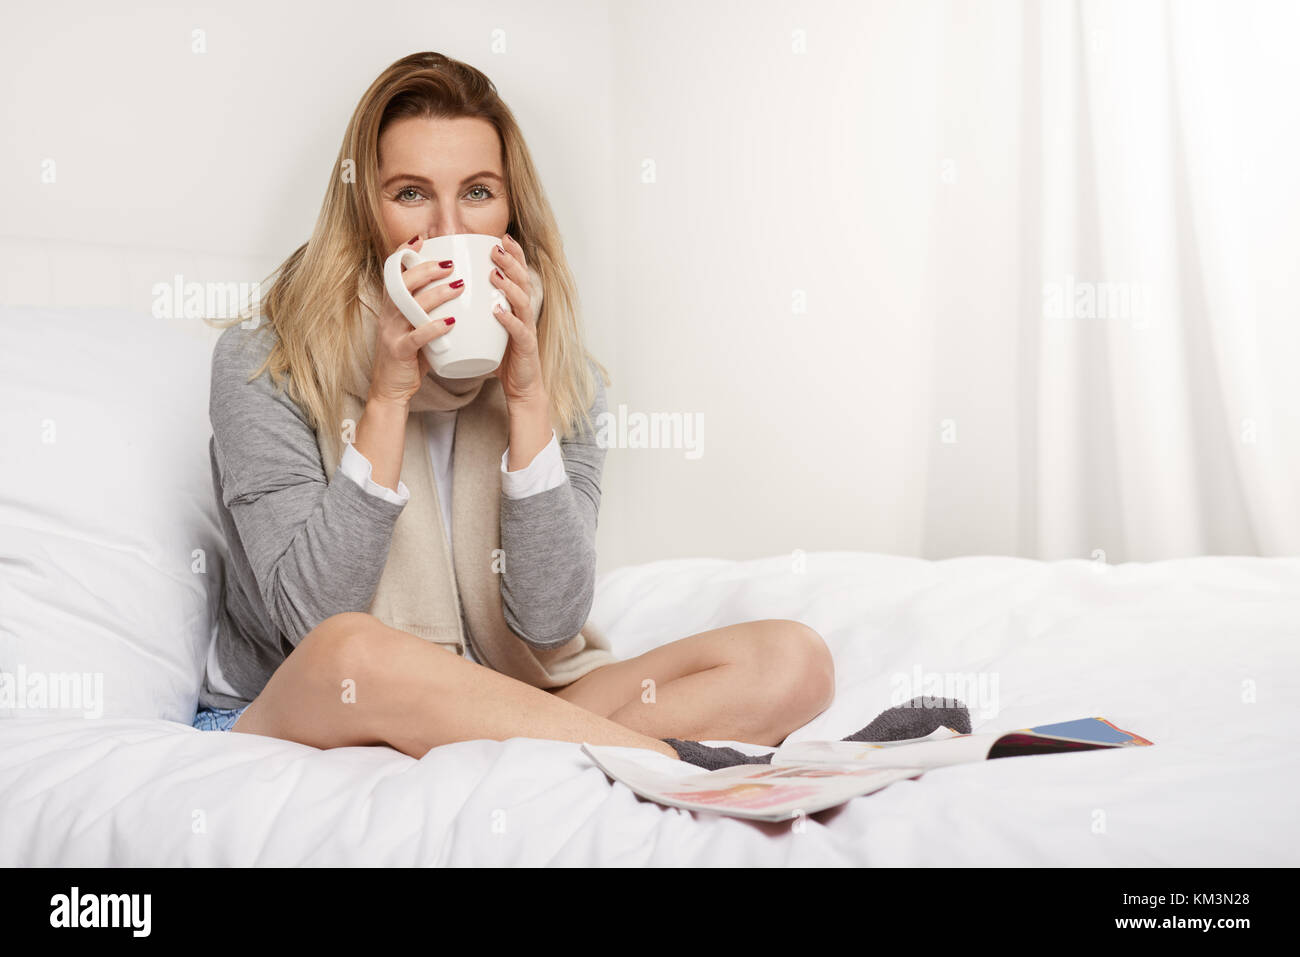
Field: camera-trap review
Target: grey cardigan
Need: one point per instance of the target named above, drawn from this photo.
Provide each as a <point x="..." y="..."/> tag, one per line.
<point x="301" y="548"/>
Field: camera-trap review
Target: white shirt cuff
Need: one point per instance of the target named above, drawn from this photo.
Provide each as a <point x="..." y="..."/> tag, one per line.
<point x="358" y="468"/>
<point x="543" y="473"/>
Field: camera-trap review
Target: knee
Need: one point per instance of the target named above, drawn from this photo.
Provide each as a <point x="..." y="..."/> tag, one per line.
<point x="343" y="645"/>
<point x="803" y="667"/>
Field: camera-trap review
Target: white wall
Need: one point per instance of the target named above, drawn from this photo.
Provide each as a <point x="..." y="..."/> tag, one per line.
<point x="819" y="265"/>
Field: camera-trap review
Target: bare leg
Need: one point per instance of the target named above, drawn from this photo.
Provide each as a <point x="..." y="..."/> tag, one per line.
<point x="411" y="695"/>
<point x="755" y="682"/>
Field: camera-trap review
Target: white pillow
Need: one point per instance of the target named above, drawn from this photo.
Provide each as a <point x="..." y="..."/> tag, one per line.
<point x="111" y="554"/>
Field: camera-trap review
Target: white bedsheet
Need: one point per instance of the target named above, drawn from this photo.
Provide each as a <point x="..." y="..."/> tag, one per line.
<point x="1172" y="651"/>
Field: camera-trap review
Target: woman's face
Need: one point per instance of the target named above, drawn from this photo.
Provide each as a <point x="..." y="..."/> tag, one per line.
<point x="441" y="176"/>
<point x="438" y="177"/>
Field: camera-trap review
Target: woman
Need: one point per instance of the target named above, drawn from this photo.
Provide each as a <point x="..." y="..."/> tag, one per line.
<point x="340" y="607"/>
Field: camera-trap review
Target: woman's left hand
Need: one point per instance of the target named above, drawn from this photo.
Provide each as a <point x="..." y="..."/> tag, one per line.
<point x="520" y="370"/>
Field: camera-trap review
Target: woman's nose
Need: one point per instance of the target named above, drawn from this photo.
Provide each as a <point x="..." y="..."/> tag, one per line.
<point x="448" y="229"/>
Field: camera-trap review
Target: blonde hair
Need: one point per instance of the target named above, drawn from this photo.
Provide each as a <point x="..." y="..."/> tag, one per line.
<point x="312" y="302"/>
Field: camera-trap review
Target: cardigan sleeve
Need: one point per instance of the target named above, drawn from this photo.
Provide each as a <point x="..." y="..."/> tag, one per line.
<point x="313" y="547"/>
<point x="548" y="584"/>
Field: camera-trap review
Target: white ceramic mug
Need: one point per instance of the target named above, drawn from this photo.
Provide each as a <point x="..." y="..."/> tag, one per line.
<point x="476" y="343"/>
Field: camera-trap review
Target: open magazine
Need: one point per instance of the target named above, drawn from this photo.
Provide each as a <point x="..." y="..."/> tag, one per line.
<point x="809" y="776"/>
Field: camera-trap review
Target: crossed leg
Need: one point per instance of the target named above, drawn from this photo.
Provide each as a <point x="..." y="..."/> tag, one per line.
<point x="355" y="681"/>
<point x="755" y="682"/>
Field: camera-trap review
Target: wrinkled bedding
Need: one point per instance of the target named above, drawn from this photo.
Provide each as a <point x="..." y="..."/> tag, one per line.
<point x="1201" y="656"/>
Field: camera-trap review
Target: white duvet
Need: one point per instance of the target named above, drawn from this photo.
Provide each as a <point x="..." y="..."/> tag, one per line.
<point x="1200" y="656"/>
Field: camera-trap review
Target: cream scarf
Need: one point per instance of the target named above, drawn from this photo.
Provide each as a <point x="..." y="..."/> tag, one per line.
<point x="419" y="591"/>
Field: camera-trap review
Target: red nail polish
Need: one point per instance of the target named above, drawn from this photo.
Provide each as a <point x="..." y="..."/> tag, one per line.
<point x="499" y="273"/>
<point x="445" y="264"/>
<point x="457" y="284"/>
<point x="411" y="241"/>
<point x="450" y="320"/>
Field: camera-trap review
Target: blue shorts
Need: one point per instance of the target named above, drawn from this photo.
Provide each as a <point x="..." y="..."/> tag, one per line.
<point x="217" y="719"/>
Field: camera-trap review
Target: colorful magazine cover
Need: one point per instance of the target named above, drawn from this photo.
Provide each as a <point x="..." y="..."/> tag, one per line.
<point x="805" y="777"/>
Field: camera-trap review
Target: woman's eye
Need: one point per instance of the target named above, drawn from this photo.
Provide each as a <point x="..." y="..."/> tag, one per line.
<point x="401" y="195"/>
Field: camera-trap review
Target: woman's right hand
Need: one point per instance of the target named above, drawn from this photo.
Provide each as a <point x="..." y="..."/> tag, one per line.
<point x="399" y="365"/>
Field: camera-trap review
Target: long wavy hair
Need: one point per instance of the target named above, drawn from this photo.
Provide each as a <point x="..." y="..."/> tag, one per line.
<point x="312" y="298"/>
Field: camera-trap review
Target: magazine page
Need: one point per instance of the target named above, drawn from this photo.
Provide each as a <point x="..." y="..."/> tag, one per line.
<point x="809" y="776"/>
<point x="940" y="749"/>
<point x="946" y="747"/>
<point x="756" y="791"/>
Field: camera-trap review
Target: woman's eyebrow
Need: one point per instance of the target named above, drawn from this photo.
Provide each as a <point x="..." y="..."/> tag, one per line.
<point x="481" y="174"/>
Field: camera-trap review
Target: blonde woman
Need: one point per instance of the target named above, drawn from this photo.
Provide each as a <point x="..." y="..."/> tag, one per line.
<point x="412" y="558"/>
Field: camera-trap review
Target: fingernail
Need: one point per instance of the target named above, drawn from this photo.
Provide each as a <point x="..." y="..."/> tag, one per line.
<point x="501" y="250"/>
<point x="411" y="241"/>
<point x="457" y="284"/>
<point x="450" y="320"/>
<point x="445" y="264"/>
<point x="499" y="273"/>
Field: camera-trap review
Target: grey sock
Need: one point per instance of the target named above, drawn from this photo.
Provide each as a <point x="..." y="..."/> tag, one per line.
<point x="710" y="758"/>
<point x="913" y="719"/>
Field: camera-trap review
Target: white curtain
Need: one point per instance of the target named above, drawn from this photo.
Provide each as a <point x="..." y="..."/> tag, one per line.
<point x="1128" y="372"/>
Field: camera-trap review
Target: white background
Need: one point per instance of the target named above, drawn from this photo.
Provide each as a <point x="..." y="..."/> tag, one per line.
<point x="911" y="172"/>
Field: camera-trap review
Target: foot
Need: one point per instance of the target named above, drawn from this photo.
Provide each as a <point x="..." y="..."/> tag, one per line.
<point x="711" y="759"/>
<point x="912" y="719"/>
<point x="915" y="719"/>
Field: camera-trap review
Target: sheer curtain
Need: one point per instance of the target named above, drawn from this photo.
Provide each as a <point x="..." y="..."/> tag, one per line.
<point x="1120" y="356"/>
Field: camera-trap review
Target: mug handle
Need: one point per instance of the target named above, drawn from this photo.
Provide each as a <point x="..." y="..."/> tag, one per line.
<point x="401" y="296"/>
